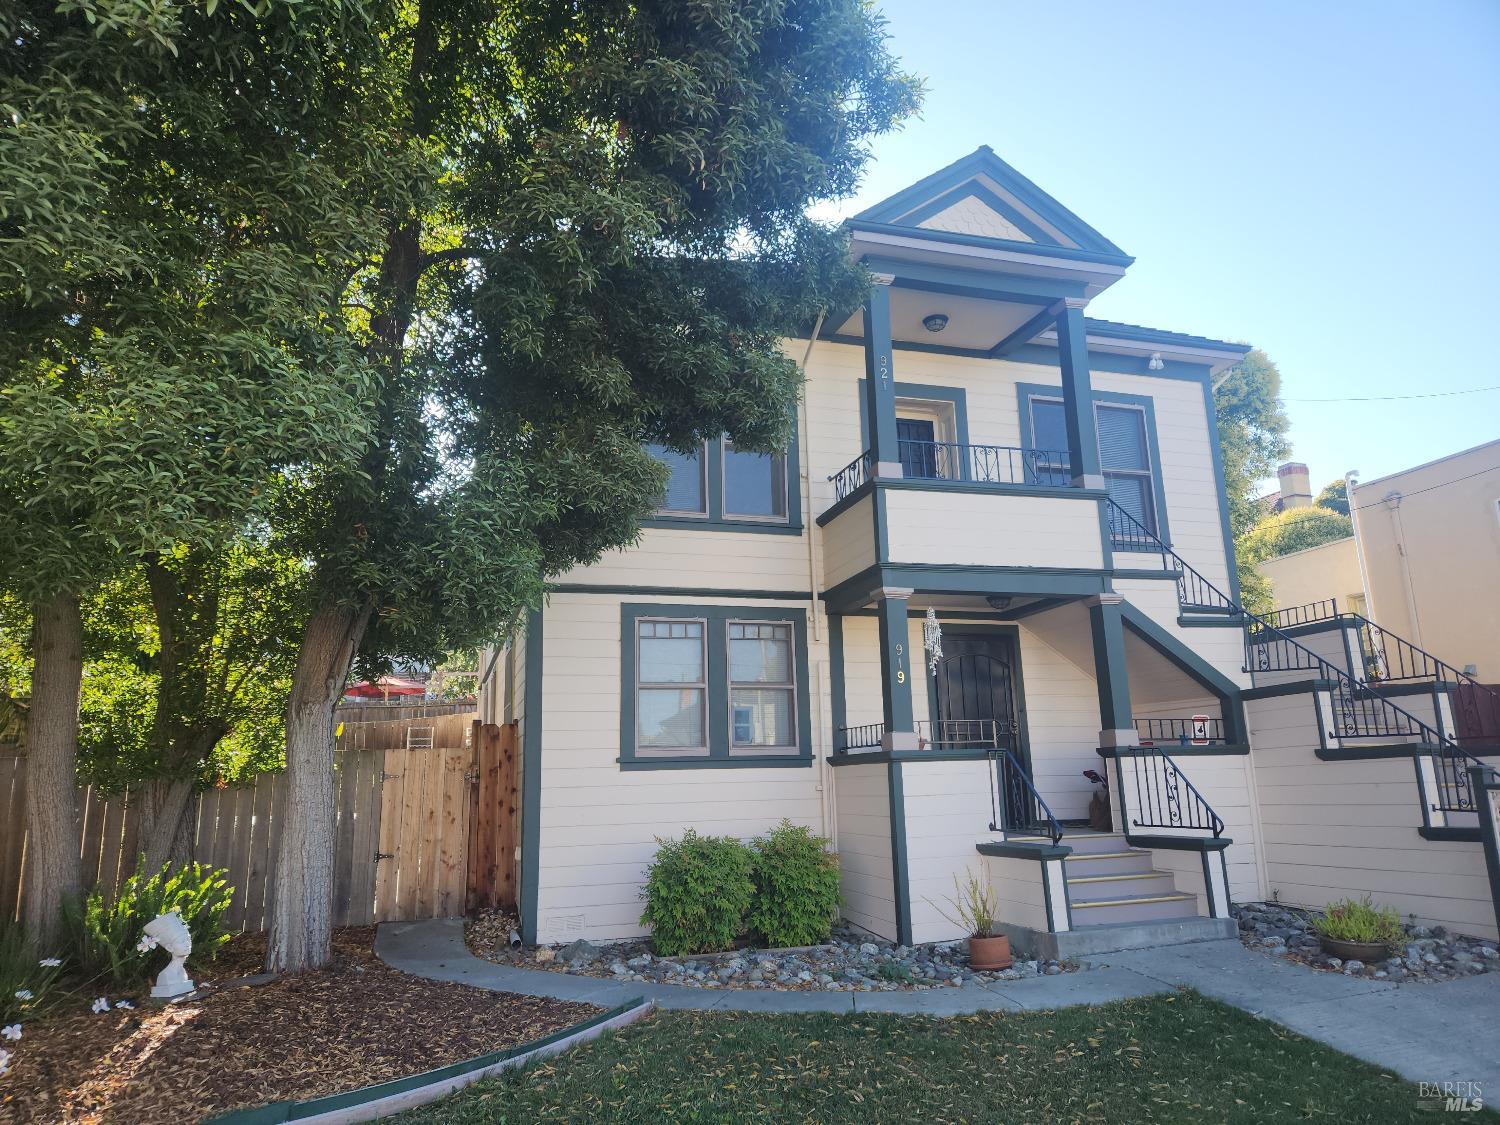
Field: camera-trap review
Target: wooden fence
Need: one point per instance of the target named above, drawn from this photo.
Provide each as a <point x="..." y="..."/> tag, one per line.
<point x="442" y="730"/>
<point x="420" y="833"/>
<point x="376" y="711"/>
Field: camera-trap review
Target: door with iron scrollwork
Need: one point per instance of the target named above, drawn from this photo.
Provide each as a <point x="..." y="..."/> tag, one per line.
<point x="975" y="687"/>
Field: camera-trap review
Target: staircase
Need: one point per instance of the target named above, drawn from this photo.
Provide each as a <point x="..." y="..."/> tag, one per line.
<point x="1110" y="882"/>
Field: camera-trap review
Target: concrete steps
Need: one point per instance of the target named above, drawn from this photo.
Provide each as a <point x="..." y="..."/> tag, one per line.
<point x="1171" y="906"/>
<point x="1106" y="888"/>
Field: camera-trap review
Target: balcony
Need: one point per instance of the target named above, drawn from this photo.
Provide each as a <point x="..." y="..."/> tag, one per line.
<point x="961" y="505"/>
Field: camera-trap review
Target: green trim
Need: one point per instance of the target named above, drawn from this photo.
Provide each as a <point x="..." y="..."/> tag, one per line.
<point x="1026" y="391"/>
<point x="1092" y="257"/>
<point x="984" y="284"/>
<point x="882" y="757"/>
<point x="901" y="882"/>
<point x="752" y="527"/>
<point x="1177" y="750"/>
<point x="881" y="526"/>
<point x="1295" y="687"/>
<point x="976" y="190"/>
<point x="1373" y="751"/>
<point x="1007" y="849"/>
<point x="1488" y="831"/>
<point x="839" y="507"/>
<point x="878" y="384"/>
<point x="1181" y="843"/>
<point x="682" y="591"/>
<point x="1228" y="693"/>
<point x="1079" y="418"/>
<point x="1132" y="572"/>
<point x="895" y="665"/>
<point x="933" y="484"/>
<point x="716" y="619"/>
<point x="1111" y="674"/>
<point x="1023" y="335"/>
<point x="1013" y="632"/>
<point x="1454" y="834"/>
<point x="531" y="779"/>
<point x="1044" y="354"/>
<point x="277" y="1112"/>
<point x="1218" y="621"/>
<point x="939" y="578"/>
<point x="955" y="397"/>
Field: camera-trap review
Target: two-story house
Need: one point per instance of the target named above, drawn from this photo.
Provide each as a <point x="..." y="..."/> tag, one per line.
<point x="995" y="558"/>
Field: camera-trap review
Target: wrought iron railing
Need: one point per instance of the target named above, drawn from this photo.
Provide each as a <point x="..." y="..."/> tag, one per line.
<point x="985" y="464"/>
<point x="1360" y="711"/>
<point x="862" y="737"/>
<point x="959" y="734"/>
<point x="1164" y="797"/>
<point x="1016" y="807"/>
<point x="1194" y="592"/>
<point x="851" y="476"/>
<point x="1183" y="732"/>
<point x="1307" y="614"/>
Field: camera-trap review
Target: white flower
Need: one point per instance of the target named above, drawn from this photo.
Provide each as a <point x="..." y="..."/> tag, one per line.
<point x="124" y="1004"/>
<point x="50" y="962"/>
<point x="100" y="1005"/>
<point x="13" y="1032"/>
<point x="146" y="944"/>
<point x="4" y="1061"/>
<point x="23" y="994"/>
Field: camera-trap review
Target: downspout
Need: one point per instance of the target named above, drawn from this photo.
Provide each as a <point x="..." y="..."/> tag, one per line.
<point x="814" y="572"/>
<point x="1393" y="502"/>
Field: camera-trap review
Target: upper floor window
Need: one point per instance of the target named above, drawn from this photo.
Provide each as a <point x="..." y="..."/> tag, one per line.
<point x="722" y="486"/>
<point x="1124" y="453"/>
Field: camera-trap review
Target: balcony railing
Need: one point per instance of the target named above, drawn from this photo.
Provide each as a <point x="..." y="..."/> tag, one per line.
<point x="972" y="464"/>
<point x="1181" y="732"/>
<point x="948" y="734"/>
<point x="1163" y="795"/>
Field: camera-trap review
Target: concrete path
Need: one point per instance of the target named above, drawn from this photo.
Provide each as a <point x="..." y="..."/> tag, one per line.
<point x="1447" y="1032"/>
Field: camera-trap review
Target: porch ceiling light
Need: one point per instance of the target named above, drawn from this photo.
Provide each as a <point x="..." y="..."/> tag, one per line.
<point x="999" y="601"/>
<point x="935" y="322"/>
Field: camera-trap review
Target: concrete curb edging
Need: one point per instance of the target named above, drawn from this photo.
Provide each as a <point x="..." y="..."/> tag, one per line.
<point x="370" y="1103"/>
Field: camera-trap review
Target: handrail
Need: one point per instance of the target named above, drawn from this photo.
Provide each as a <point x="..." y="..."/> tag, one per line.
<point x="1179" y="730"/>
<point x="1015" y="805"/>
<point x="984" y="464"/>
<point x="1324" y="610"/>
<point x="851" y="476"/>
<point x="1158" y="791"/>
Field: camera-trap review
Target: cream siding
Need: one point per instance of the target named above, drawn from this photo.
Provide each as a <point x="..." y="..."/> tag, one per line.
<point x="863" y="798"/>
<point x="849" y="543"/>
<point x="992" y="529"/>
<point x="1335" y="829"/>
<point x="948" y="809"/>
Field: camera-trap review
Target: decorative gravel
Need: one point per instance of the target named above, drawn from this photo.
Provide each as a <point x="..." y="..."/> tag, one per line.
<point x="850" y="962"/>
<point x="1429" y="954"/>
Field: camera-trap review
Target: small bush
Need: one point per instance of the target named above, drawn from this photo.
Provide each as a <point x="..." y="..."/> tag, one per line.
<point x="974" y="905"/>
<point x="698" y="891"/>
<point x="796" y="887"/>
<point x="108" y="935"/>
<point x="895" y="972"/>
<point x="1348" y="920"/>
<point x="25" y="982"/>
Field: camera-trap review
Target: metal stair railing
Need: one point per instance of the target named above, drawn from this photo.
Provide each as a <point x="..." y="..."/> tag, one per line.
<point x="1360" y="710"/>
<point x="1164" y="795"/>
<point x="1015" y="805"/>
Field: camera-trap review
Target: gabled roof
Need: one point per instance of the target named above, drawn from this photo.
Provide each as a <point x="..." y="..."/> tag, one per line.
<point x="980" y="198"/>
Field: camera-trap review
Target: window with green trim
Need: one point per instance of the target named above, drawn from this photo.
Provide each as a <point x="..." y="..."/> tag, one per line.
<point x="713" y="685"/>
<point x="720" y="485"/>
<point x="1124" y="452"/>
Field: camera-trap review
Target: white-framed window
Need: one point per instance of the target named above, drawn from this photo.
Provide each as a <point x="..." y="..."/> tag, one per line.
<point x="755" y="484"/>
<point x="672" y="685"/>
<point x="1124" y="453"/>
<point x="762" y="686"/>
<point x="687" y="484"/>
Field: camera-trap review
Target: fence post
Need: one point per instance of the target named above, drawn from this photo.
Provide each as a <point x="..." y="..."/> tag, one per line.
<point x="492" y="835"/>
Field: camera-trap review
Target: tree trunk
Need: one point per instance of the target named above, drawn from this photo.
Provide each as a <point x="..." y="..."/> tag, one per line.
<point x="54" y="873"/>
<point x="167" y="805"/>
<point x="302" y="909"/>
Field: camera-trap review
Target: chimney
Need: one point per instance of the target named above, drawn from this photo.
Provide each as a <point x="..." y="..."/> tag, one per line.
<point x="1296" y="485"/>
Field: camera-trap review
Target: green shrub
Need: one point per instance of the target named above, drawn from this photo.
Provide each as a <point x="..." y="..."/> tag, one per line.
<point x="796" y="887"/>
<point x="698" y="891"/>
<point x="1348" y="920"/>
<point x="108" y="934"/>
<point x="25" y="981"/>
<point x="895" y="972"/>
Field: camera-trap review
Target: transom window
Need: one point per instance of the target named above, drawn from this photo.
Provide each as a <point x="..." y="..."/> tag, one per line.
<point x="720" y="483"/>
<point x="714" y="684"/>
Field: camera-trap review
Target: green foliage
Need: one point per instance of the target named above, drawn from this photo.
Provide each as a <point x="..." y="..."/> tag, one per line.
<point x="108" y="934"/>
<point x="974" y="904"/>
<point x="698" y="892"/>
<point x="894" y="971"/>
<point x="1334" y="497"/>
<point x="21" y="972"/>
<point x="796" y="887"/>
<point x="1295" y="529"/>
<point x="1252" y="437"/>
<point x="1361" y="921"/>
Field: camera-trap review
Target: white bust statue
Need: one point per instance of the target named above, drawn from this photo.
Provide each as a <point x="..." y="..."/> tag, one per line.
<point x="171" y="933"/>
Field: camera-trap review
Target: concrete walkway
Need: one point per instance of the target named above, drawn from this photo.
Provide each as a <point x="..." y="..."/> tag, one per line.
<point x="1447" y="1032"/>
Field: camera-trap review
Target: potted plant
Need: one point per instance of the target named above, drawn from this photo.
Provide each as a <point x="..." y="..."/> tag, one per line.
<point x="1359" y="931"/>
<point x="974" y="909"/>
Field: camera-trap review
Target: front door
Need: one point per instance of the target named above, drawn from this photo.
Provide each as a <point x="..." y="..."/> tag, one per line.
<point x="975" y="686"/>
<point x="916" y="441"/>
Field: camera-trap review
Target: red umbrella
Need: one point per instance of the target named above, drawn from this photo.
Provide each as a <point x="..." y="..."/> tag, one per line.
<point x="385" y="687"/>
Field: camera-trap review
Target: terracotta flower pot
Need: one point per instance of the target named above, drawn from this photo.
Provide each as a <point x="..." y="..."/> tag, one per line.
<point x="1370" y="952"/>
<point x="989" y="952"/>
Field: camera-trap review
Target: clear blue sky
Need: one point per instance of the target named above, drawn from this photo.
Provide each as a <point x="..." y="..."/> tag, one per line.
<point x="1318" y="177"/>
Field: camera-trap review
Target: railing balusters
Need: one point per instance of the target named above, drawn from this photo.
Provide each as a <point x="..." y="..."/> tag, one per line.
<point x="1164" y="796"/>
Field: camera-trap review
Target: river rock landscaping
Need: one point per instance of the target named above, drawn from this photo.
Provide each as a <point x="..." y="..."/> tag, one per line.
<point x="1429" y="954"/>
<point x="850" y="962"/>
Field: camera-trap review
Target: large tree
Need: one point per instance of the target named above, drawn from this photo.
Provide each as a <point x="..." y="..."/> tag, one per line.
<point x="176" y="228"/>
<point x="611" y="242"/>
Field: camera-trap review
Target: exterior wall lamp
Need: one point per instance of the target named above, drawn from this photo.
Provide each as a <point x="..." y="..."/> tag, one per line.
<point x="1155" y="362"/>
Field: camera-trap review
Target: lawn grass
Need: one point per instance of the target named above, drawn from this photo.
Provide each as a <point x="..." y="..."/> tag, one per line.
<point x="1160" y="1059"/>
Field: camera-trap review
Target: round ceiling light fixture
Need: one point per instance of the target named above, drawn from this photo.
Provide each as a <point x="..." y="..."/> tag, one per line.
<point x="935" y="322"/>
<point x="999" y="601"/>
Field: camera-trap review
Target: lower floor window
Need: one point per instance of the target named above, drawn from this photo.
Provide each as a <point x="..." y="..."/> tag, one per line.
<point x="719" y="684"/>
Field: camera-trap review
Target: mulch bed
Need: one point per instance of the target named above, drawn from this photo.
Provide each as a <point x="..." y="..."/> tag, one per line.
<point x="357" y="1023"/>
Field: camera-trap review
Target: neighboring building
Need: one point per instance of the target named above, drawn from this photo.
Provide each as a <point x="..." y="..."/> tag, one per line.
<point x="1430" y="537"/>
<point x="973" y="456"/>
<point x="1329" y="570"/>
<point x="1294" y="490"/>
